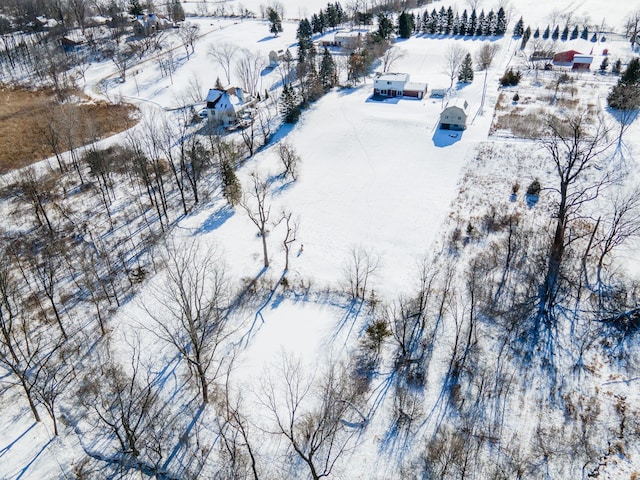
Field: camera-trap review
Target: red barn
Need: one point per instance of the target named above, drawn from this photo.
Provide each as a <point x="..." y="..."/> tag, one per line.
<point x="565" y="57"/>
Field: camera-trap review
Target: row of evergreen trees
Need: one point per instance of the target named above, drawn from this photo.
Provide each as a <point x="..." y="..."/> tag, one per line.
<point x="448" y="22"/>
<point x="330" y="17"/>
<point x="555" y="34"/>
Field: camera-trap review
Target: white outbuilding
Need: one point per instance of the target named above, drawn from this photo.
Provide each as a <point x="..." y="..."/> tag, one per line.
<point x="455" y="115"/>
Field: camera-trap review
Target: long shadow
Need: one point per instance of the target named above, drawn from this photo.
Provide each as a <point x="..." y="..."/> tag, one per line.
<point x="215" y="220"/>
<point x="185" y="435"/>
<point x="446" y="138"/>
<point x="28" y="465"/>
<point x="16" y="440"/>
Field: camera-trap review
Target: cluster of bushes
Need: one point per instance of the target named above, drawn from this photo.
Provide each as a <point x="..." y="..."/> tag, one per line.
<point x="510" y="78"/>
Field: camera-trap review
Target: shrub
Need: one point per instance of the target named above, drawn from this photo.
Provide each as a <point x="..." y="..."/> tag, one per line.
<point x="510" y="78"/>
<point x="534" y="188"/>
<point x="516" y="97"/>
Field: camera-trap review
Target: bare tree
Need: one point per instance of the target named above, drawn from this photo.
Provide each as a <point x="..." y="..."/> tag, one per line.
<point x="362" y="265"/>
<point x="291" y="226"/>
<point x="248" y="68"/>
<point x="224" y="54"/>
<point x="188" y="33"/>
<point x="484" y="59"/>
<point x="189" y="310"/>
<point x="290" y="159"/>
<point x="390" y="57"/>
<point x="573" y="148"/>
<point x="311" y="415"/>
<point x="254" y="202"/>
<point x="454" y="57"/>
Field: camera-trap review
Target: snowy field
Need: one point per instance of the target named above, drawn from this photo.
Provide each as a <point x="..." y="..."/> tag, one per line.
<point x="374" y="175"/>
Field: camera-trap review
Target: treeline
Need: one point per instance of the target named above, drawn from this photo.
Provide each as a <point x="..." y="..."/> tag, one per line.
<point x="448" y="22"/>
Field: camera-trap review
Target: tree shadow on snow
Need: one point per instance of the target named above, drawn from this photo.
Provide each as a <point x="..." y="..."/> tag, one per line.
<point x="446" y="138"/>
<point x="215" y="220"/>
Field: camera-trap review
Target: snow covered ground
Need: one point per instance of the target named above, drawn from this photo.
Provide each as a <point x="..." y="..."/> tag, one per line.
<point x="375" y="175"/>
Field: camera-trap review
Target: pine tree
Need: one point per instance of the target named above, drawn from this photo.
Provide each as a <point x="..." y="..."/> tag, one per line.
<point x="231" y="189"/>
<point x="594" y="37"/>
<point x="481" y="27"/>
<point x="289" y="104"/>
<point x="331" y="15"/>
<point x="518" y="30"/>
<point x="464" y="21"/>
<point x="617" y="67"/>
<point x="456" y="25"/>
<point x="556" y="33"/>
<point x="135" y="8"/>
<point x="631" y="75"/>
<point x="442" y="20"/>
<point x="218" y="84"/>
<point x="448" y="27"/>
<point x="525" y="38"/>
<point x="317" y="23"/>
<point x="175" y="11"/>
<point x="546" y="33"/>
<point x="274" y="21"/>
<point x="536" y="34"/>
<point x="328" y="72"/>
<point x="585" y="33"/>
<point x="501" y="22"/>
<point x="304" y="32"/>
<point x="385" y="26"/>
<point x="574" y="33"/>
<point x="604" y="65"/>
<point x="491" y="23"/>
<point x="424" y="26"/>
<point x="565" y="33"/>
<point x="465" y="74"/>
<point x="473" y="23"/>
<point x="405" y="25"/>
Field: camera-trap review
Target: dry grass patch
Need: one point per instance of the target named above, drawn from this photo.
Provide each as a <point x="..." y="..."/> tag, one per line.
<point x="32" y="122"/>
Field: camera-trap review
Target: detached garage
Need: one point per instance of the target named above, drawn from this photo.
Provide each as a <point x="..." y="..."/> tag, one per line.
<point x="455" y="115"/>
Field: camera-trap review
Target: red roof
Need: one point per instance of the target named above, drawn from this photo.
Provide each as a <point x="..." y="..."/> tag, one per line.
<point x="565" y="57"/>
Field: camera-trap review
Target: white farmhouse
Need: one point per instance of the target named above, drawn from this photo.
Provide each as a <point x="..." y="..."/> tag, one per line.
<point x="223" y="105"/>
<point x="398" y="85"/>
<point x="455" y="115"/>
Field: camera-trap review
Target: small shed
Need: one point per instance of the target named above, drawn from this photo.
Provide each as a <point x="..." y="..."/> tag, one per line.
<point x="565" y="57"/>
<point x="582" y="62"/>
<point x="275" y="57"/>
<point x="455" y="115"/>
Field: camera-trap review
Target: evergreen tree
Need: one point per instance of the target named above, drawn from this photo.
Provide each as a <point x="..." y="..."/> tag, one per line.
<point x="465" y="73"/>
<point x="331" y="15"/>
<point x="433" y="22"/>
<point x="594" y="37"/>
<point x="274" y="21"/>
<point x="556" y="33"/>
<point x="405" y="25"/>
<point x="218" y="85"/>
<point x="481" y="27"/>
<point x="464" y="21"/>
<point x="631" y="75"/>
<point x="604" y="65"/>
<point x="231" y="189"/>
<point x="442" y="20"/>
<point x="546" y="33"/>
<point x="491" y="23"/>
<point x="518" y="30"/>
<point x="525" y="38"/>
<point x="574" y="33"/>
<point x="473" y="23"/>
<point x="448" y="27"/>
<point x="617" y="67"/>
<point x="424" y="26"/>
<point x="135" y="8"/>
<point x="304" y="32"/>
<point x="456" y="25"/>
<point x="317" y="26"/>
<point x="536" y="34"/>
<point x="585" y="33"/>
<point x="328" y="71"/>
<point x="175" y="11"/>
<point x="501" y="22"/>
<point x="565" y="33"/>
<point x="385" y="26"/>
<point x="289" y="104"/>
